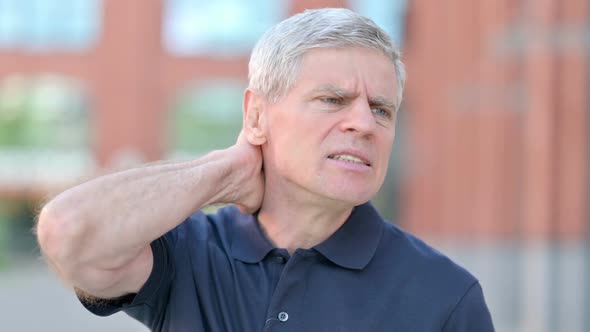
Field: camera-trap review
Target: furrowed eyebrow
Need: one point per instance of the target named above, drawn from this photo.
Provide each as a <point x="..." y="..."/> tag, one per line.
<point x="329" y="88"/>
<point x="342" y="93"/>
<point x="382" y="101"/>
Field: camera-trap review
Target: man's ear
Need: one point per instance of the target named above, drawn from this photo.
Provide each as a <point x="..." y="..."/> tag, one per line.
<point x="254" y="124"/>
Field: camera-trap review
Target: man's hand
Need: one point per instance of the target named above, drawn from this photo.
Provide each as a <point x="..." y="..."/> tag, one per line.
<point x="247" y="183"/>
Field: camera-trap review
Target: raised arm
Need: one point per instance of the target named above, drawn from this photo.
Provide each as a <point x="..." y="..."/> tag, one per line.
<point x="97" y="235"/>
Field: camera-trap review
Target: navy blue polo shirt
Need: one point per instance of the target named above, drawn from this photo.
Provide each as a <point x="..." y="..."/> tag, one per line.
<point x="220" y="273"/>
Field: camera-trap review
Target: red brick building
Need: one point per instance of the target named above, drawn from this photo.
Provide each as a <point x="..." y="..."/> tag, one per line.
<point x="496" y="111"/>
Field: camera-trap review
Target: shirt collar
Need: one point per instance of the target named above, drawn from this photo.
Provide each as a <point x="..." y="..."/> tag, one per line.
<point x="249" y="244"/>
<point x="352" y="246"/>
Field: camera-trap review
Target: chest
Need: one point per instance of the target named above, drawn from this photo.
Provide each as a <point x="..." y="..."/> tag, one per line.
<point x="304" y="292"/>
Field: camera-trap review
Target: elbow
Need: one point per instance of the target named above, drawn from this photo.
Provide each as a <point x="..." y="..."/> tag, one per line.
<point x="61" y="237"/>
<point x="56" y="234"/>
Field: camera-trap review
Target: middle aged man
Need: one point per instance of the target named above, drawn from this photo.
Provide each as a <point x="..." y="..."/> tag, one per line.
<point x="306" y="251"/>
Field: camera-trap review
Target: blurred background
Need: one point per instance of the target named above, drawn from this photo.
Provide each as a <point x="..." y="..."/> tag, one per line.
<point x="491" y="161"/>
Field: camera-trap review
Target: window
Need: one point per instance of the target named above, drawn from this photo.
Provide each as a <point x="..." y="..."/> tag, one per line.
<point x="48" y="25"/>
<point x="206" y="116"/>
<point x="44" y="137"/>
<point x="224" y="27"/>
<point x="387" y="14"/>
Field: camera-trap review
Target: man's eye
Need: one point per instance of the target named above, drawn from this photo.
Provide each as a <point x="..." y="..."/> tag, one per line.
<point x="331" y="100"/>
<point x="381" y="112"/>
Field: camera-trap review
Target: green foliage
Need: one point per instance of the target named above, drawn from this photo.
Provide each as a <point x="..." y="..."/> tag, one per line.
<point x="16" y="236"/>
<point x="207" y="117"/>
<point x="42" y="112"/>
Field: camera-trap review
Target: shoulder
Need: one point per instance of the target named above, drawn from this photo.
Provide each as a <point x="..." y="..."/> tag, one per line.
<point x="428" y="268"/>
<point x="435" y="282"/>
<point x="201" y="225"/>
<point x="414" y="251"/>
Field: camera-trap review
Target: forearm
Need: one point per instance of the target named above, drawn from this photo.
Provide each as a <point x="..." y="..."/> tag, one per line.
<point x="108" y="221"/>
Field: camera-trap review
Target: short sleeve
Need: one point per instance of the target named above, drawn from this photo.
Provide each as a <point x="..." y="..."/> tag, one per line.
<point x="471" y="313"/>
<point x="148" y="305"/>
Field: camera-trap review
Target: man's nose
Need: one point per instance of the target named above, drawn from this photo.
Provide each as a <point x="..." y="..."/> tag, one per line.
<point x="359" y="118"/>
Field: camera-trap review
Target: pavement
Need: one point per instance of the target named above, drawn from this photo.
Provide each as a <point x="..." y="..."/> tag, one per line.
<point x="32" y="299"/>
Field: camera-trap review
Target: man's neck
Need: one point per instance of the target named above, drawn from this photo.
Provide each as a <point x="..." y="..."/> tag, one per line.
<point x="291" y="222"/>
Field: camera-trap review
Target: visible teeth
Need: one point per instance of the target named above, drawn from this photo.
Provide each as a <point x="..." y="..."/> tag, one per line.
<point x="346" y="157"/>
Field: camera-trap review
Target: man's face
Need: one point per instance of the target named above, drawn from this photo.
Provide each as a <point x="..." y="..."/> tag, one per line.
<point x="331" y="136"/>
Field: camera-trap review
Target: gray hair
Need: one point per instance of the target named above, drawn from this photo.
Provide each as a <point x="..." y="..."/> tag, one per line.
<point x="276" y="57"/>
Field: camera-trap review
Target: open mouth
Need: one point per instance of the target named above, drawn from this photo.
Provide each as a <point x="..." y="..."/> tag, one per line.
<point x="349" y="158"/>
